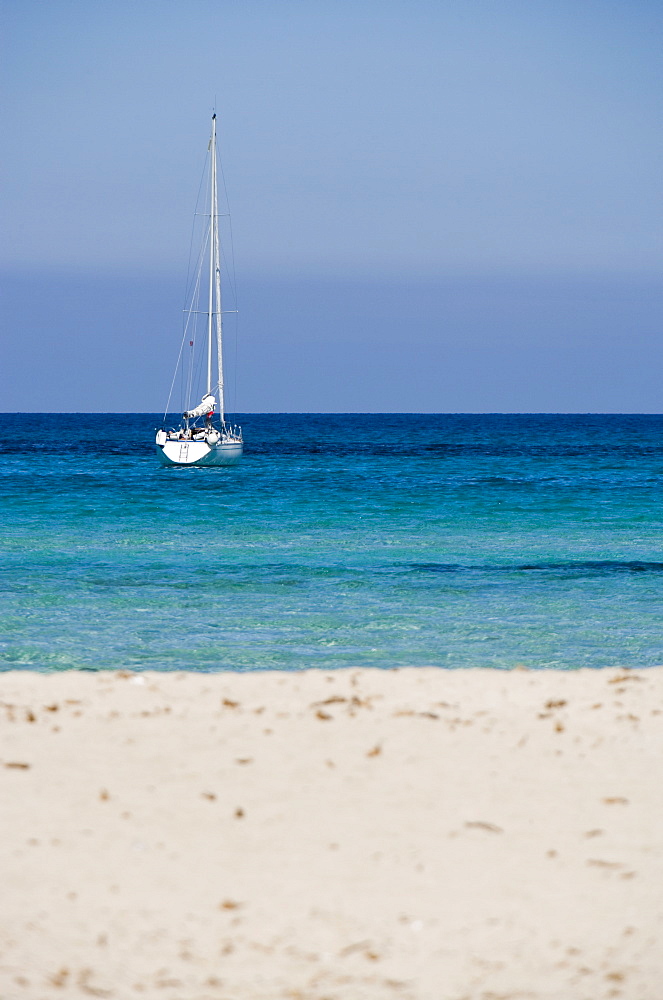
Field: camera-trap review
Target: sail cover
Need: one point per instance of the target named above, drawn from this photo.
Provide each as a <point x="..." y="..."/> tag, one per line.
<point x="206" y="406"/>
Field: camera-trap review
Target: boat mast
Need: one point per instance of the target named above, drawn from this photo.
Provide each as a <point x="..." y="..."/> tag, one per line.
<point x="217" y="288"/>
<point x="212" y="248"/>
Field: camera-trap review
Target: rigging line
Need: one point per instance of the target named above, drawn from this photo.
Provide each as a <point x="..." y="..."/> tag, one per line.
<point x="230" y="228"/>
<point x="194" y="372"/>
<point x="232" y="257"/>
<point x="235" y="366"/>
<point x="233" y="284"/>
<point x="189" y="376"/>
<point x="232" y="277"/>
<point x="189" y="313"/>
<point x="198" y="380"/>
<point x="182" y="407"/>
<point x="204" y="312"/>
<point x="185" y="332"/>
<point x="226" y="271"/>
<point x="172" y="384"/>
<point x="225" y="244"/>
<point x="196" y="213"/>
<point x="189" y="292"/>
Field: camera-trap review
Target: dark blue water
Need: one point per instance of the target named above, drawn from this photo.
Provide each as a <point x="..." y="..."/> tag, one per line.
<point x="448" y="540"/>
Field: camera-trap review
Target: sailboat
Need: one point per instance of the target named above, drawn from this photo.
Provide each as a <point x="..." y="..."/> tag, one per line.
<point x="203" y="438"/>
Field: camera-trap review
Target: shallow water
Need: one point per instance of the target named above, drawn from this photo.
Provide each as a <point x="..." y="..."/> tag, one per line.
<point x="340" y="540"/>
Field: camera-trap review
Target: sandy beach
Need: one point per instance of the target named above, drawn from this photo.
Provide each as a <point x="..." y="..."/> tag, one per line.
<point x="413" y="834"/>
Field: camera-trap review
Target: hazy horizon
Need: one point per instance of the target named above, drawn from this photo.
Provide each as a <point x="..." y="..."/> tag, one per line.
<point x="436" y="207"/>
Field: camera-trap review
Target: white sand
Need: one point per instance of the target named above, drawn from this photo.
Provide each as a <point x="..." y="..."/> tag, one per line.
<point x="410" y="835"/>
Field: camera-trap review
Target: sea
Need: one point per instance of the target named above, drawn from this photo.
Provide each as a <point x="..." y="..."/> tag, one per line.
<point x="340" y="540"/>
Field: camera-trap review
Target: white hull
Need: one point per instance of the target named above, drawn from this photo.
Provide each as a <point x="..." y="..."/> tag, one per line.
<point x="199" y="453"/>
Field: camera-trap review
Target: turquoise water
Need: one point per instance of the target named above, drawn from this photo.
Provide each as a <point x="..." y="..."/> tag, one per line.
<point x="339" y="540"/>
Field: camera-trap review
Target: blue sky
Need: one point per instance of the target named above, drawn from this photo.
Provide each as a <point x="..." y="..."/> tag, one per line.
<point x="437" y="205"/>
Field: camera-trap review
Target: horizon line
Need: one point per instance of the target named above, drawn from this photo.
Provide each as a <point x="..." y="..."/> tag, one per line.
<point x="345" y="413"/>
